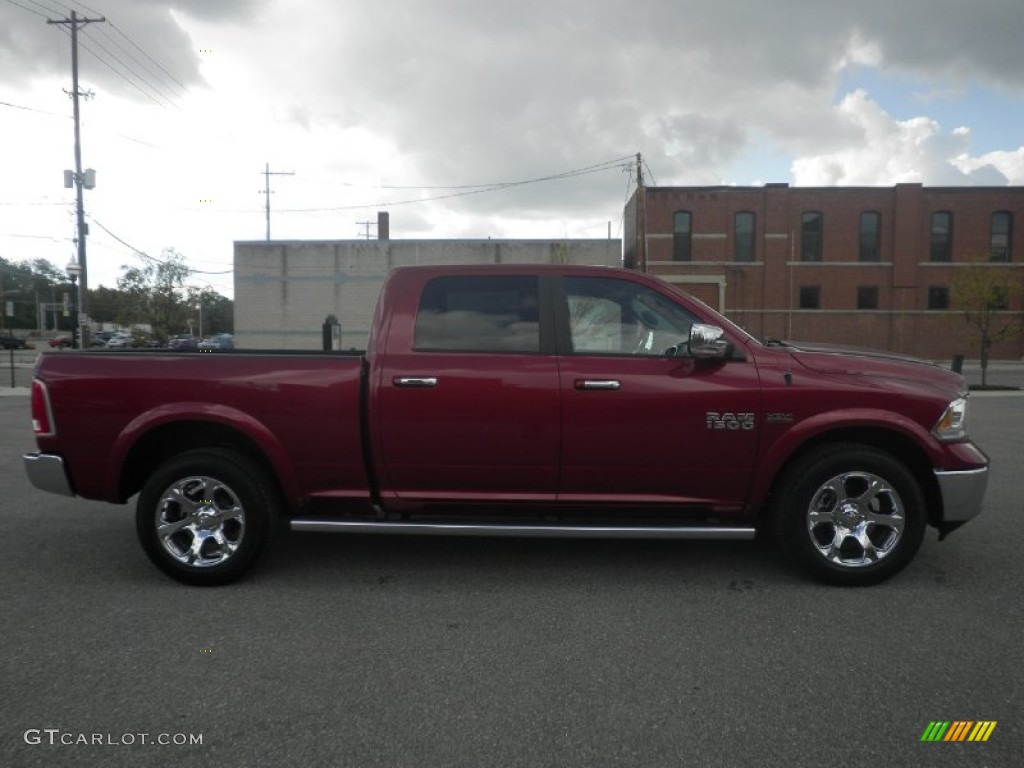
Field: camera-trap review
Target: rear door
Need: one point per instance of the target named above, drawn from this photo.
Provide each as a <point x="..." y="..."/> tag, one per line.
<point x="468" y="396"/>
<point x="639" y="426"/>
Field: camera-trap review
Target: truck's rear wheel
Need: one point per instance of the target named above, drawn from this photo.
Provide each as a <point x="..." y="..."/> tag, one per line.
<point x="205" y="515"/>
<point x="850" y="514"/>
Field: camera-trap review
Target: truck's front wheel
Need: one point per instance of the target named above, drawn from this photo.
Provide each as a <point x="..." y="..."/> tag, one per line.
<point x="205" y="515"/>
<point x="850" y="514"/>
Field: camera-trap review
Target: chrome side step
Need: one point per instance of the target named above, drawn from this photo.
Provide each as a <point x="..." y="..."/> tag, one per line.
<point x="532" y="531"/>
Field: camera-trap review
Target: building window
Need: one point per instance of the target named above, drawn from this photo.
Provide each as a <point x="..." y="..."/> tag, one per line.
<point x="1002" y="236"/>
<point x="867" y="297"/>
<point x="810" y="297"/>
<point x="743" y="237"/>
<point x="810" y="236"/>
<point x="682" y="236"/>
<point x="938" y="297"/>
<point x="942" y="236"/>
<point x="870" y="236"/>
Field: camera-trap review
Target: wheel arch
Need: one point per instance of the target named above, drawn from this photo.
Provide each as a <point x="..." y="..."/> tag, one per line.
<point x="170" y="439"/>
<point x="892" y="442"/>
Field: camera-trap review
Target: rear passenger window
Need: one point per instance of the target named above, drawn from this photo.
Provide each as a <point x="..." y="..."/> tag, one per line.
<point x="479" y="314"/>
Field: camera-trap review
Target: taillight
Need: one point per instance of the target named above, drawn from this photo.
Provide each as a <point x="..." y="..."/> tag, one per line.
<point x="42" y="417"/>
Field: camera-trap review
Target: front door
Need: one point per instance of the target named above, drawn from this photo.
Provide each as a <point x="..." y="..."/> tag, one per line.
<point x="639" y="426"/>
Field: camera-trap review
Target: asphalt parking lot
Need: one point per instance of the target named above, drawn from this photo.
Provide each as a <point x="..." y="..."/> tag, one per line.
<point x="356" y="651"/>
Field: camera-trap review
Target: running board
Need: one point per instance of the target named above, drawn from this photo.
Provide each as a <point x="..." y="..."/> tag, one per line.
<point x="533" y="531"/>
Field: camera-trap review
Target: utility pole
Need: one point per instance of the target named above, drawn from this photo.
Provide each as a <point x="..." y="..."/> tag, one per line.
<point x="366" y="228"/>
<point x="641" y="216"/>
<point x="83" y="229"/>
<point x="267" y="173"/>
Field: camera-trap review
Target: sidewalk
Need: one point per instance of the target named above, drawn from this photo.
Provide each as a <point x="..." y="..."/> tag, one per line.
<point x="1001" y="373"/>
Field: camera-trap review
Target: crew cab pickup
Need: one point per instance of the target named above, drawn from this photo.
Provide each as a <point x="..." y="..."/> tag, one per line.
<point x="517" y="400"/>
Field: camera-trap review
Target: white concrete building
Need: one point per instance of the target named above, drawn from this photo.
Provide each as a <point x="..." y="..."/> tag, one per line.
<point x="284" y="290"/>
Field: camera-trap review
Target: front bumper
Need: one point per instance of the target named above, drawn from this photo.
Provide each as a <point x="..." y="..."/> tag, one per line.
<point x="963" y="492"/>
<point x="47" y="473"/>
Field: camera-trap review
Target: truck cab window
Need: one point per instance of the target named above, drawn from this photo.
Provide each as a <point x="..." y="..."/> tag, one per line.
<point x="612" y="316"/>
<point x="479" y="314"/>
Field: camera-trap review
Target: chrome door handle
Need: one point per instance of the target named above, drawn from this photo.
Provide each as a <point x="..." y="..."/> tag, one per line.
<point x="418" y="382"/>
<point x="607" y="385"/>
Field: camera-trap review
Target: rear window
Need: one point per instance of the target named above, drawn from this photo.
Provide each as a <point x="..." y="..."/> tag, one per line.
<point x="479" y="314"/>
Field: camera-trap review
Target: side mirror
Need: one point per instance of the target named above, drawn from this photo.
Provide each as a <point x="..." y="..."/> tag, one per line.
<point x="708" y="342"/>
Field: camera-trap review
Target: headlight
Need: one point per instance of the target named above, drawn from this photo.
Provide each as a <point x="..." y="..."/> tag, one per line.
<point x="952" y="425"/>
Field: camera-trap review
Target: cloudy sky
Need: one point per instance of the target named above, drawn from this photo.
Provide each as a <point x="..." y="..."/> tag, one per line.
<point x="465" y="118"/>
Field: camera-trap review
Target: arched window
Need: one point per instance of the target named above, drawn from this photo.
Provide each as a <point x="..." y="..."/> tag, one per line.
<point x="682" y="236"/>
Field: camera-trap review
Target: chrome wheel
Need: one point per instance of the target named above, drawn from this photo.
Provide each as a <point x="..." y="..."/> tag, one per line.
<point x="205" y="515"/>
<point x="200" y="521"/>
<point x="849" y="514"/>
<point x="855" y="519"/>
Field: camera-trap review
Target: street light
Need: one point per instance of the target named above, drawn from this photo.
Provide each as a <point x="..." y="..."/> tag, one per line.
<point x="74" y="269"/>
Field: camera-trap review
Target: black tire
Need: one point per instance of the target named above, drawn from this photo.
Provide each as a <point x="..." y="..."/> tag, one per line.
<point x="222" y="512"/>
<point x="849" y="514"/>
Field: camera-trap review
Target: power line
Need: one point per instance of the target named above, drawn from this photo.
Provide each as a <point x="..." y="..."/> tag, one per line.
<point x="109" y="66"/>
<point x="38" y="237"/>
<point x="26" y="8"/>
<point x="155" y="77"/>
<point x="131" y="71"/>
<point x="45" y="7"/>
<point x="616" y="163"/>
<point x="32" y="109"/>
<point x="135" y="45"/>
<point x="475" y="189"/>
<point x="154" y="61"/>
<point x="153" y="259"/>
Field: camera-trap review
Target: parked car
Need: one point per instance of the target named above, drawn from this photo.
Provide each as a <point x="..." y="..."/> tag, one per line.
<point x="183" y="342"/>
<point x="10" y="341"/>
<point x="119" y="341"/>
<point x="60" y="342"/>
<point x="100" y="338"/>
<point x="220" y="341"/>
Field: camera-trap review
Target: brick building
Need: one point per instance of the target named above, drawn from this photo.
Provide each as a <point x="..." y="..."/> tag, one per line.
<point x="865" y="266"/>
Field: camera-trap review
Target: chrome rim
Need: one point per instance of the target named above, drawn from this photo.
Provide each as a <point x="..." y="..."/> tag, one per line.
<point x="855" y="519"/>
<point x="200" y="521"/>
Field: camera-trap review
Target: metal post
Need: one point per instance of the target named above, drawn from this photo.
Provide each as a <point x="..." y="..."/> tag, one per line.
<point x="83" y="229"/>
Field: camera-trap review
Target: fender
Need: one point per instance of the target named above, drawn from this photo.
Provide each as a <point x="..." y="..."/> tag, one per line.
<point x="778" y="454"/>
<point x="224" y="415"/>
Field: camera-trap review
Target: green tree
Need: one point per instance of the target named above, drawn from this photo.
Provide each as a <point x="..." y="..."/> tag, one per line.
<point x="216" y="312"/>
<point x="156" y="294"/>
<point x="984" y="292"/>
<point x="26" y="285"/>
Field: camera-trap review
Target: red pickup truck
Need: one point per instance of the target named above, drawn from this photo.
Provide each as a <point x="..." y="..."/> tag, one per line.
<point x="524" y="401"/>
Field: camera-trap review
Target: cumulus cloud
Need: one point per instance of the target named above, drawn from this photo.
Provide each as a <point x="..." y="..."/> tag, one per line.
<point x="884" y="151"/>
<point x="1007" y="164"/>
